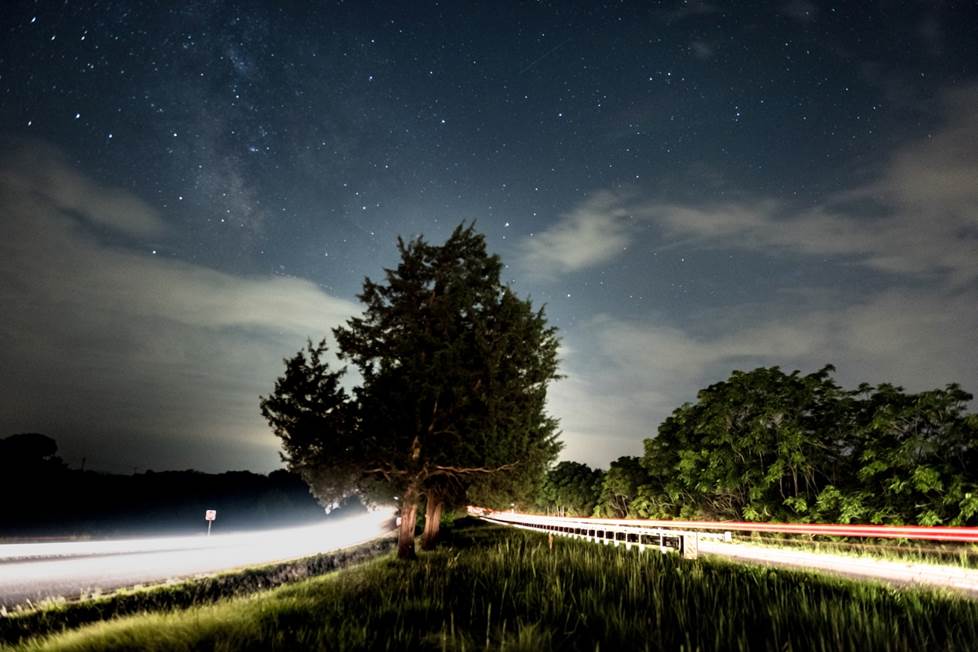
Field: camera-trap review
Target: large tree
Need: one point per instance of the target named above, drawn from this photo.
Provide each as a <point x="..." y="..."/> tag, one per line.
<point x="759" y="445"/>
<point x="765" y="445"/>
<point x="454" y="370"/>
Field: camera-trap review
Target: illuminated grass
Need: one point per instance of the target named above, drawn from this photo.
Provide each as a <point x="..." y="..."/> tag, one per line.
<point x="495" y="588"/>
<point x="964" y="555"/>
<point x="54" y="616"/>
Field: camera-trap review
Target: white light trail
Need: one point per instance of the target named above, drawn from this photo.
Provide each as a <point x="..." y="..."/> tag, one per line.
<point x="34" y="571"/>
<point x="952" y="577"/>
<point x="903" y="572"/>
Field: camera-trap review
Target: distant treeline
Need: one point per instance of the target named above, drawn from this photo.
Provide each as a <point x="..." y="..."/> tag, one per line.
<point x="768" y="445"/>
<point x="40" y="496"/>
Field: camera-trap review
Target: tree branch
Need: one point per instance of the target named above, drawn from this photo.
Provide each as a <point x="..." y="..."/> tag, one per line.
<point x="470" y="470"/>
<point x="387" y="473"/>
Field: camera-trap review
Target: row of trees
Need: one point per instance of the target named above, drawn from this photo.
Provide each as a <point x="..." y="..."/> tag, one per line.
<point x="770" y="445"/>
<point x="575" y="489"/>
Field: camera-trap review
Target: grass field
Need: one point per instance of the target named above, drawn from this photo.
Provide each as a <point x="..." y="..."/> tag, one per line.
<point x="492" y="588"/>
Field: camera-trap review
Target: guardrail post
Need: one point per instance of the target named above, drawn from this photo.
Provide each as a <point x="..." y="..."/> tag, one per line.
<point x="689" y="546"/>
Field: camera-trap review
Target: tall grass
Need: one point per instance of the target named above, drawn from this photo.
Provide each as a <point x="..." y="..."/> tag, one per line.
<point x="491" y="588"/>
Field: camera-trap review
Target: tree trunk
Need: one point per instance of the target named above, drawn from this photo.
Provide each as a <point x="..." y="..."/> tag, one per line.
<point x="432" y="521"/>
<point x="409" y="517"/>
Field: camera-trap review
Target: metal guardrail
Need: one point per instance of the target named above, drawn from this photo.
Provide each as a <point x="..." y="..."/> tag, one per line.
<point x="917" y="532"/>
<point x="627" y="534"/>
<point x="692" y="538"/>
<point x="684" y="536"/>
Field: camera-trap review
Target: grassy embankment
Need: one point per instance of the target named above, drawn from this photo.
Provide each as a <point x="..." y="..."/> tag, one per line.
<point x="58" y="615"/>
<point x="495" y="588"/>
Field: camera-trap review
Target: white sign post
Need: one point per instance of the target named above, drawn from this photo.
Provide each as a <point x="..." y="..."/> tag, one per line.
<point x="210" y="516"/>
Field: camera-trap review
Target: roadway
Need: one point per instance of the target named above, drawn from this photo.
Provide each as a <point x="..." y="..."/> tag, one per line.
<point x="33" y="572"/>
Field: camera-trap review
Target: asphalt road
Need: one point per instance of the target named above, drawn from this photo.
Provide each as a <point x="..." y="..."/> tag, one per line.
<point x="33" y="572"/>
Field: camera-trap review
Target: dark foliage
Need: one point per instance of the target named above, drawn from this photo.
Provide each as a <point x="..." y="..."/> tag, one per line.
<point x="454" y="370"/>
<point x="571" y="489"/>
<point x="620" y="486"/>
<point x="42" y="497"/>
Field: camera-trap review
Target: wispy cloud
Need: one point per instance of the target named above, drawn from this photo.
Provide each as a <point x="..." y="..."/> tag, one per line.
<point x="39" y="171"/>
<point x="155" y="351"/>
<point x="592" y="233"/>
<point x="919" y="217"/>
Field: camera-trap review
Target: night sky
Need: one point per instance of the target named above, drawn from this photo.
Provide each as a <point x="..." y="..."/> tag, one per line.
<point x="190" y="190"/>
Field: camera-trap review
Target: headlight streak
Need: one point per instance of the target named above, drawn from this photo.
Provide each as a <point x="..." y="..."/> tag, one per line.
<point x="36" y="571"/>
<point x="917" y="532"/>
<point x="951" y="577"/>
<point x="903" y="572"/>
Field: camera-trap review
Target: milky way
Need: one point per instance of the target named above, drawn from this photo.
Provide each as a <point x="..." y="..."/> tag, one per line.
<point x="188" y="191"/>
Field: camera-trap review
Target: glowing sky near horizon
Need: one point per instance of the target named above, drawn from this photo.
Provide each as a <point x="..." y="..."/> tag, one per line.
<point x="189" y="191"/>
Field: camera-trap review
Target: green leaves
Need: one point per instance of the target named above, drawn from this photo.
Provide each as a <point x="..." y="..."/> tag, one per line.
<point x="620" y="488"/>
<point x="313" y="416"/>
<point x="766" y="444"/>
<point x="571" y="489"/>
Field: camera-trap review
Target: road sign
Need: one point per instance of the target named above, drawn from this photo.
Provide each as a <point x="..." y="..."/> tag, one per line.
<point x="210" y="515"/>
